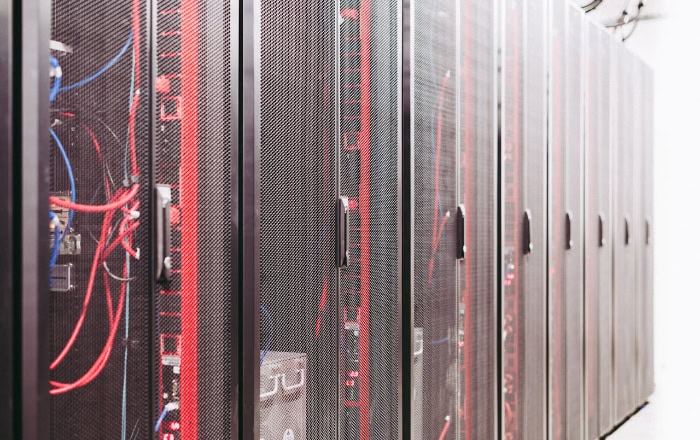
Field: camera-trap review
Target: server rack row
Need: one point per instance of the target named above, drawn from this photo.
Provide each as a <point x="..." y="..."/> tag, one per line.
<point x="358" y="219"/>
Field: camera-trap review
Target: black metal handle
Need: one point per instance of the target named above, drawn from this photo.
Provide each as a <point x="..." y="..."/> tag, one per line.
<point x="163" y="198"/>
<point x="648" y="232"/>
<point x="528" y="246"/>
<point x="627" y="231"/>
<point x="601" y="230"/>
<point x="341" y="224"/>
<point x="569" y="232"/>
<point x="461" y="227"/>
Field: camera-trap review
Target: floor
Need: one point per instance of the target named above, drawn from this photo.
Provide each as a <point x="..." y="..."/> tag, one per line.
<point x="674" y="409"/>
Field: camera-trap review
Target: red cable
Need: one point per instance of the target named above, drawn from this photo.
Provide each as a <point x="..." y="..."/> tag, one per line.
<point x="97" y="208"/>
<point x="98" y="148"/>
<point x="102" y="359"/>
<point x="119" y="240"/>
<point x="109" y="209"/>
<point x="443" y="435"/>
<point x="110" y="306"/>
<point x="136" y="24"/>
<point x="438" y="147"/>
<point x="88" y="293"/>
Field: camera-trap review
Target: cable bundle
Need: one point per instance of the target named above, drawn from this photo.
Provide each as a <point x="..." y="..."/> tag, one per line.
<point x="120" y="215"/>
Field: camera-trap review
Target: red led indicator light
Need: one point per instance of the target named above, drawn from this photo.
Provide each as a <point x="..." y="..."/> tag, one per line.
<point x="174" y="426"/>
<point x="354" y="374"/>
<point x="350" y="383"/>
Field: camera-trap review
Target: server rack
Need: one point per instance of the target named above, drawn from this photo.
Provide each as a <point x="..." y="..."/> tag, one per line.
<point x="143" y="158"/>
<point x="523" y="219"/>
<point x="321" y="163"/>
<point x="477" y="193"/>
<point x="565" y="221"/>
<point x="645" y="270"/>
<point x="196" y="204"/>
<point x="624" y="255"/>
<point x="598" y="241"/>
<point x="435" y="78"/>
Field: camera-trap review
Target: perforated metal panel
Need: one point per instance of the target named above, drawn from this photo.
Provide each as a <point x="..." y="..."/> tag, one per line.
<point x="523" y="155"/>
<point x="565" y="224"/>
<point x="624" y="259"/>
<point x="298" y="290"/>
<point x="477" y="192"/>
<point x="327" y="128"/>
<point x="99" y="328"/>
<point x="195" y="159"/>
<point x="435" y="79"/>
<point x="598" y="261"/>
<point x="369" y="354"/>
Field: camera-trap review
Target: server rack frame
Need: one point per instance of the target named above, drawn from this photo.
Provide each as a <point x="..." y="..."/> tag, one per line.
<point x="23" y="55"/>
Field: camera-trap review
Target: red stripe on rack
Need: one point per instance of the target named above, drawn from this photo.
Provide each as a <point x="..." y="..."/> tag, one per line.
<point x="189" y="200"/>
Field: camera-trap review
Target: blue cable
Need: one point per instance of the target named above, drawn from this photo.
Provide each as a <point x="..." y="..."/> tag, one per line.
<point x="128" y="269"/>
<point x="440" y="341"/>
<point x="57" y="80"/>
<point x="106" y="67"/>
<point x="269" y="336"/>
<point x="69" y="169"/>
<point x="161" y="418"/>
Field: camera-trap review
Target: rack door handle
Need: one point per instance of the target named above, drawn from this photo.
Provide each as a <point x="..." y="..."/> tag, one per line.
<point x="601" y="230"/>
<point x="341" y="224"/>
<point x="163" y="199"/>
<point x="648" y="232"/>
<point x="528" y="246"/>
<point x="461" y="228"/>
<point x="627" y="231"/>
<point x="569" y="231"/>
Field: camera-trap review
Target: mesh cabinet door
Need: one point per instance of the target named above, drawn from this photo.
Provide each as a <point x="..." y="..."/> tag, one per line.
<point x="368" y="354"/>
<point x="195" y="166"/>
<point x="598" y="261"/>
<point x="565" y="277"/>
<point x="99" y="305"/>
<point x="476" y="191"/>
<point x="295" y="134"/>
<point x="523" y="239"/>
<point x="624" y="256"/>
<point x="435" y="80"/>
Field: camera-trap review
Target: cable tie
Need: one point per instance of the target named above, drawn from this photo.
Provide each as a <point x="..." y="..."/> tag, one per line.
<point x="131" y="180"/>
<point x="138" y="254"/>
<point x="135" y="215"/>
